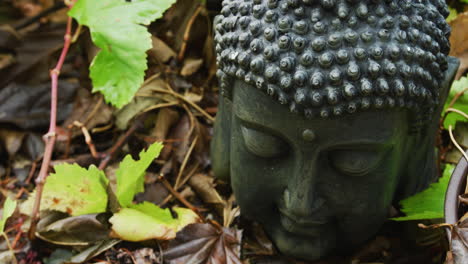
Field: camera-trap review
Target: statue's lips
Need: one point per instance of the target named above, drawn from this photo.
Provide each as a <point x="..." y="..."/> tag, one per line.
<point x="303" y="225"/>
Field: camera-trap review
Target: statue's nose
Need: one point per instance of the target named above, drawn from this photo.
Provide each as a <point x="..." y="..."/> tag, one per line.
<point x="300" y="204"/>
<point x="301" y="196"/>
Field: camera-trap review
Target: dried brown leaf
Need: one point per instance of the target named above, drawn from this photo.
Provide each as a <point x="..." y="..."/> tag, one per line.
<point x="204" y="186"/>
<point x="146" y="256"/>
<point x="463" y="198"/>
<point x="6" y="60"/>
<point x="191" y="66"/>
<point x="179" y="134"/>
<point x="140" y="103"/>
<point x="459" y="243"/>
<point x="82" y="230"/>
<point x="90" y="110"/>
<point x="256" y="242"/>
<point x="12" y="140"/>
<point x="165" y="120"/>
<point x="160" y="51"/>
<point x="459" y="41"/>
<point x="28" y="106"/>
<point x="204" y="244"/>
<point x="33" y="51"/>
<point x="9" y="38"/>
<point x="459" y="35"/>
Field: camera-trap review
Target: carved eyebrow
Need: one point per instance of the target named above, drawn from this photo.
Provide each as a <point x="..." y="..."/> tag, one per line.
<point x="260" y="128"/>
<point x="364" y="145"/>
<point x="247" y="116"/>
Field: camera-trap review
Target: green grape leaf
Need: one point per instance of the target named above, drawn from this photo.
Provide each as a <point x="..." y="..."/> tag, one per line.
<point x="116" y="27"/>
<point x="428" y="204"/>
<point x="74" y="190"/>
<point x="130" y="174"/>
<point x="8" y="209"/>
<point x="461" y="104"/>
<point x="148" y="221"/>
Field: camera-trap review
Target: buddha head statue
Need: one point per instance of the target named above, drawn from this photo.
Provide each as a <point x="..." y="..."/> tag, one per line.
<point x="328" y="114"/>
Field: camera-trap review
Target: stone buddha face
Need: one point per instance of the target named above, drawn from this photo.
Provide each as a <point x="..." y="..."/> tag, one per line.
<point x="315" y="183"/>
<point x="319" y="143"/>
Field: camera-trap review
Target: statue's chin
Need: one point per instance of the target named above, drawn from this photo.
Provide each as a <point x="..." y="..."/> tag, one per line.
<point x="303" y="247"/>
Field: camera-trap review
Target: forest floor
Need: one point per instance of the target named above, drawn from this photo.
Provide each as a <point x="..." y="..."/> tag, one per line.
<point x="176" y="105"/>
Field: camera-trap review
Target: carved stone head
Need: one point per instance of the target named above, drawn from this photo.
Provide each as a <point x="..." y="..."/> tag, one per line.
<point x="328" y="113"/>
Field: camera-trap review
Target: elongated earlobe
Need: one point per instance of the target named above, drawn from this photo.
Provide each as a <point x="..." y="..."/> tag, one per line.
<point x="221" y="142"/>
<point x="420" y="174"/>
<point x="453" y="64"/>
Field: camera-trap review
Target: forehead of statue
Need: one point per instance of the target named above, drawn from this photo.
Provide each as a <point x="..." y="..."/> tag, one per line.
<point x="257" y="110"/>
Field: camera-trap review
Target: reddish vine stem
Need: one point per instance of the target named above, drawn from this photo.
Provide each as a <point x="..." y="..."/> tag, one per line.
<point x="50" y="136"/>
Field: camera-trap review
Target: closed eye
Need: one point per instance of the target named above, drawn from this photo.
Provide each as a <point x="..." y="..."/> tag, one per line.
<point x="263" y="144"/>
<point x="355" y="162"/>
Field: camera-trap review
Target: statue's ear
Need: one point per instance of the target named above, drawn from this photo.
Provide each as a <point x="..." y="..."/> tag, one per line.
<point x="453" y="64"/>
<point x="221" y="142"/>
<point x="420" y="168"/>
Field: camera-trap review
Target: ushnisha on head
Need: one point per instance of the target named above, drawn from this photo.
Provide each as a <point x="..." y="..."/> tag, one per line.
<point x="329" y="113"/>
<point x="324" y="58"/>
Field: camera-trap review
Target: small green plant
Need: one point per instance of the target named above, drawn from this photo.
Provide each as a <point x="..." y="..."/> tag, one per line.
<point x="116" y="27"/>
<point x="9" y="208"/>
<point x="77" y="191"/>
<point x="460" y="104"/>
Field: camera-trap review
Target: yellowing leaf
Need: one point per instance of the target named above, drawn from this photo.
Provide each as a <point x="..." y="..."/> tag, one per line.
<point x="148" y="221"/>
<point x="8" y="209"/>
<point x="74" y="190"/>
<point x="130" y="174"/>
<point x="118" y="69"/>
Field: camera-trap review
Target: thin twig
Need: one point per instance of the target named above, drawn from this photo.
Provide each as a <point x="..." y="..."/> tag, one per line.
<point x="452" y="138"/>
<point x="184" y="162"/>
<point x="454" y="110"/>
<point x="189" y="174"/>
<point x="50" y="137"/>
<point x="183" y="47"/>
<point x="28" y="180"/>
<point x="460" y="149"/>
<point x="58" y="6"/>
<point x="94" y="111"/>
<point x="451" y="104"/>
<point x="88" y="139"/>
<point x="150" y="79"/>
<point x="77" y="33"/>
<point x="193" y="123"/>
<point x="129" y="253"/>
<point x="181" y="97"/>
<point x="161" y="105"/>
<point x="10" y="248"/>
<point x="110" y="154"/>
<point x="17" y="238"/>
<point x="455" y="98"/>
<point x="185" y="180"/>
<point x="179" y="197"/>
